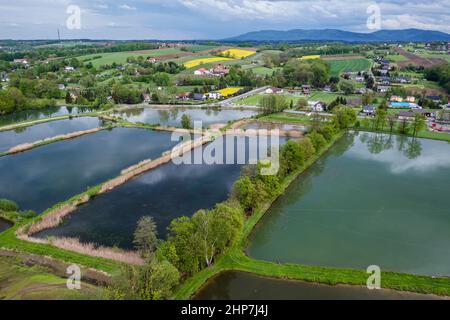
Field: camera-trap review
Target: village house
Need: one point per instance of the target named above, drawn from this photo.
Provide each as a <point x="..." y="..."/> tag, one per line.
<point x="369" y="110"/>
<point x="436" y="99"/>
<point x="202" y="72"/>
<point x="215" y="95"/>
<point x="383" y="89"/>
<point x="74" y="96"/>
<point x="199" y="97"/>
<point x="185" y="96"/>
<point x="316" y="106"/>
<point x="146" y="97"/>
<point x="272" y="90"/>
<point x="409" y="115"/>
<point x="61" y="86"/>
<point x="396" y="99"/>
<point x="219" y="70"/>
<point x="69" y="69"/>
<point x="306" y="89"/>
<point x="411" y="99"/>
<point x="151" y="60"/>
<point x="22" y="61"/>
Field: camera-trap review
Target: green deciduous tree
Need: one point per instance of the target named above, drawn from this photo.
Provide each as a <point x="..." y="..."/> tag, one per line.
<point x="146" y="237"/>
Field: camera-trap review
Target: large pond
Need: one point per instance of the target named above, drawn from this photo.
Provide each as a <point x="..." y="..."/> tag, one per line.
<point x="44" y="176"/>
<point x="245" y="286"/>
<point x="49" y="129"/>
<point x="30" y="115"/>
<point x="374" y="199"/>
<point x="165" y="193"/>
<point x="172" y="117"/>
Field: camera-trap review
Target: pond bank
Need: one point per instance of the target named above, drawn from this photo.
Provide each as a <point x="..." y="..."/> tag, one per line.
<point x="233" y="285"/>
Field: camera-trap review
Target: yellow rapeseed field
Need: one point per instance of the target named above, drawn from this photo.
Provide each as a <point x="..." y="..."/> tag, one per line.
<point x="229" y="91"/>
<point x="312" y="57"/>
<point x="197" y="62"/>
<point x="238" y="53"/>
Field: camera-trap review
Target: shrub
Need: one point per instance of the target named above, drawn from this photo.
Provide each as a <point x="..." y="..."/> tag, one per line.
<point x="317" y="140"/>
<point x="8" y="205"/>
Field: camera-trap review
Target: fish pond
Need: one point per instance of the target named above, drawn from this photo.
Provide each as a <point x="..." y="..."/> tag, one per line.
<point x="374" y="199"/>
<point x="40" y="178"/>
<point x="31" y="115"/>
<point x="244" y="286"/>
<point x="172" y="116"/>
<point x="12" y="138"/>
<point x="165" y="193"/>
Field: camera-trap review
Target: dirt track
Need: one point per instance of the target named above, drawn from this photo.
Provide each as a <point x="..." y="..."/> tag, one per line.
<point x="416" y="60"/>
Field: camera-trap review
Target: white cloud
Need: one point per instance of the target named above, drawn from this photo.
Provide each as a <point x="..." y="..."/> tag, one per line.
<point x="127" y="7"/>
<point x="405" y="21"/>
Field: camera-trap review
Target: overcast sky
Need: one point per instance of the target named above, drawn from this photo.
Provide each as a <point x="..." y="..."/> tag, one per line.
<point x="208" y="19"/>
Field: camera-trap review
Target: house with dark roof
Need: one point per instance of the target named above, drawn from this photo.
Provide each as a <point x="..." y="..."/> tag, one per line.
<point x="199" y="97"/>
<point x="369" y="110"/>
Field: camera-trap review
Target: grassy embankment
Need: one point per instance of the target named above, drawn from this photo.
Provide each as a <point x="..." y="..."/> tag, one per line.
<point x="8" y="240"/>
<point x="235" y="259"/>
<point x="22" y="282"/>
<point x="292" y="118"/>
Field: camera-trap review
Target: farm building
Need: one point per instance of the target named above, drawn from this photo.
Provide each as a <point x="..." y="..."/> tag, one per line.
<point x="202" y="72"/>
<point x="272" y="90"/>
<point x="184" y="96"/>
<point x="408" y="115"/>
<point x="199" y="97"/>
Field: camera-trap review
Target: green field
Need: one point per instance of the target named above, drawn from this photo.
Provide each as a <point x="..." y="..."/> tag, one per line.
<point x="396" y="58"/>
<point x="315" y="96"/>
<point x="21" y="282"/>
<point x="121" y="57"/>
<point x="254" y="100"/>
<point x="263" y="71"/>
<point x="353" y="65"/>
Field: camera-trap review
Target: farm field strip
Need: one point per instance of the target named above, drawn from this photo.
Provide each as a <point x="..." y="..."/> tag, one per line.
<point x="352" y="65"/>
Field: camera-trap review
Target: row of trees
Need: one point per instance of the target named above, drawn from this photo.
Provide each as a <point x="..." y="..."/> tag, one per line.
<point x="404" y="126"/>
<point x="12" y="100"/>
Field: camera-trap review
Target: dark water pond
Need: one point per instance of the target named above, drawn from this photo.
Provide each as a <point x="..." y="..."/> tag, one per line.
<point x="374" y="199"/>
<point x="165" y="193"/>
<point x="172" y="117"/>
<point x="245" y="286"/>
<point x="30" y="115"/>
<point x="42" y="177"/>
<point x="4" y="225"/>
<point x="41" y="131"/>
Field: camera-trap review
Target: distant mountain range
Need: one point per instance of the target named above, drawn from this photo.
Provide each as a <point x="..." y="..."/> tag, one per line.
<point x="407" y="35"/>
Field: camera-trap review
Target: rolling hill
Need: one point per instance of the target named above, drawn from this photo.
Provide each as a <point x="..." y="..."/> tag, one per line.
<point x="407" y="35"/>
